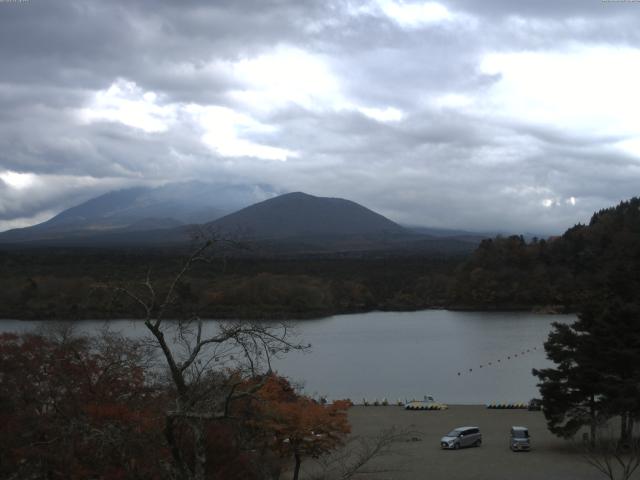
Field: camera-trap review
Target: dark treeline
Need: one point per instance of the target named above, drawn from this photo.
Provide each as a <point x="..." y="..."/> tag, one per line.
<point x="595" y="380"/>
<point x="587" y="261"/>
<point x="63" y="284"/>
<point x="556" y="274"/>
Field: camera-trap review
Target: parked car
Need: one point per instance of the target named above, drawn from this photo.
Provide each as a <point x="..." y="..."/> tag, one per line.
<point x="462" y="437"/>
<point x="535" y="404"/>
<point x="519" y="440"/>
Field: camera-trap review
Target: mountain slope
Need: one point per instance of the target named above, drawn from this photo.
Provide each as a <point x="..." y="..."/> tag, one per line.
<point x="291" y="224"/>
<point x="142" y="209"/>
<point x="295" y="215"/>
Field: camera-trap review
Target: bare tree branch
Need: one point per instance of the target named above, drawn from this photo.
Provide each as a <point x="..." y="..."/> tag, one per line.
<point x="356" y="457"/>
<point x="615" y="460"/>
<point x="201" y="371"/>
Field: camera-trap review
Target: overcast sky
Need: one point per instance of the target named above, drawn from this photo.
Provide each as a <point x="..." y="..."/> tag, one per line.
<point x="485" y="115"/>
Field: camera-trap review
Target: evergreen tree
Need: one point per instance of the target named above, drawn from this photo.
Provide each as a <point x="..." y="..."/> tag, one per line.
<point x="616" y="331"/>
<point x="571" y="390"/>
<point x="597" y="373"/>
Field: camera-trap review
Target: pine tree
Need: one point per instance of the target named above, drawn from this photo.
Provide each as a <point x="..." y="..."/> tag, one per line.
<point x="616" y="331"/>
<point x="597" y="373"/>
<point x="571" y="391"/>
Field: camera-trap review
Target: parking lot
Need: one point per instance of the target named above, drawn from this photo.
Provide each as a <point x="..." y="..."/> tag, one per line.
<point x="550" y="458"/>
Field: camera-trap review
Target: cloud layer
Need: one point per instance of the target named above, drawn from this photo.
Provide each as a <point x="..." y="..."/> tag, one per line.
<point x="493" y="115"/>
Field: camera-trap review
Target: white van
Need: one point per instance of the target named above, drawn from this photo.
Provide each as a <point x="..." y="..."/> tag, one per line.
<point x="462" y="437"/>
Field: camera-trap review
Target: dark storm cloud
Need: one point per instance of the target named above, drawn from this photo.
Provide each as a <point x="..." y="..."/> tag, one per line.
<point x="87" y="43"/>
<point x="395" y="111"/>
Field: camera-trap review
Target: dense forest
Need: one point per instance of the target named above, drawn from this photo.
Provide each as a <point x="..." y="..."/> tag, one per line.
<point x="555" y="274"/>
<point x="561" y="272"/>
<point x="57" y="284"/>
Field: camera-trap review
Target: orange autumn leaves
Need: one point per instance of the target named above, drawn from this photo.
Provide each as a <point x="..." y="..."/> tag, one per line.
<point x="82" y="408"/>
<point x="296" y="424"/>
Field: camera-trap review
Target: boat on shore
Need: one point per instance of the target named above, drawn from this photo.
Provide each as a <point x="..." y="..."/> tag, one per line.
<point x="427" y="403"/>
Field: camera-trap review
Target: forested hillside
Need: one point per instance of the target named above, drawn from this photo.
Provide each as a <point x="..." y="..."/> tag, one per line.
<point x="586" y="261"/>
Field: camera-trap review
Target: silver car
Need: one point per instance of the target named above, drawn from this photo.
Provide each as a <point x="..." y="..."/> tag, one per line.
<point x="519" y="440"/>
<point x="462" y="437"/>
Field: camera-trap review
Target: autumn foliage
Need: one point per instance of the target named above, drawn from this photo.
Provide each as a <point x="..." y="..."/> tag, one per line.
<point x="85" y="408"/>
<point x="74" y="408"/>
<point x="297" y="426"/>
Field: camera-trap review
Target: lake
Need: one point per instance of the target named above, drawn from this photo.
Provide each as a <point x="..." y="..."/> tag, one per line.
<point x="458" y="357"/>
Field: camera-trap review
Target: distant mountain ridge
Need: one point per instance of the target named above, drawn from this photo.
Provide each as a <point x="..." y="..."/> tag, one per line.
<point x="142" y="209"/>
<point x="290" y="224"/>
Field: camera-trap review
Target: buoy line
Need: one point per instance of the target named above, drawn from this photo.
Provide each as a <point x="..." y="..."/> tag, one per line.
<point x="508" y="357"/>
<point x="507" y="405"/>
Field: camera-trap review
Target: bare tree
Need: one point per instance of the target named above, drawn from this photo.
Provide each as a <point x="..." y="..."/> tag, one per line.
<point x="208" y="363"/>
<point x="359" y="453"/>
<point x="616" y="460"/>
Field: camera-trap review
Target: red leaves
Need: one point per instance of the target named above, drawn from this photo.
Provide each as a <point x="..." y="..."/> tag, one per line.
<point x="78" y="408"/>
<point x="73" y="409"/>
<point x="298" y="424"/>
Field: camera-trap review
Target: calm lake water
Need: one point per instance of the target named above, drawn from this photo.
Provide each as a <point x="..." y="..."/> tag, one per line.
<point x="407" y="355"/>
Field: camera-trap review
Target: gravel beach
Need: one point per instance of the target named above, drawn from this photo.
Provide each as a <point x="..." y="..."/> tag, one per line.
<point x="550" y="458"/>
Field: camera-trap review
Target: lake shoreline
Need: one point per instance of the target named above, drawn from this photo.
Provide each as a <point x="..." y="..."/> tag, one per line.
<point x="317" y="315"/>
